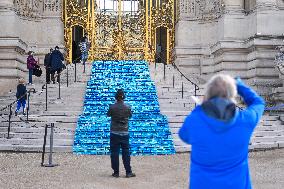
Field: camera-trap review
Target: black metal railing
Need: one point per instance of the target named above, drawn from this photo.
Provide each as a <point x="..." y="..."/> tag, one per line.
<point x="28" y="93"/>
<point x="196" y="87"/>
<point x="45" y="86"/>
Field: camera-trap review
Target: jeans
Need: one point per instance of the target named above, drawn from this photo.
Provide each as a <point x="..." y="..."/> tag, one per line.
<point x="30" y="76"/>
<point x="84" y="57"/>
<point x="117" y="141"/>
<point x="21" y="102"/>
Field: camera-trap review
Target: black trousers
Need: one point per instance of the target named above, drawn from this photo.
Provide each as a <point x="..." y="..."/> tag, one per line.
<point x="117" y="141"/>
<point x="47" y="71"/>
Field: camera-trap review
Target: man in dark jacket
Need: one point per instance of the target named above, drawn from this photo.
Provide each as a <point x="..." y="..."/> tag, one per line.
<point x="47" y="65"/>
<point x="56" y="59"/>
<point x="119" y="135"/>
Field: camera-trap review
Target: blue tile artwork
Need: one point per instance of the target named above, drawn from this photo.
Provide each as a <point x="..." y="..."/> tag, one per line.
<point x="148" y="128"/>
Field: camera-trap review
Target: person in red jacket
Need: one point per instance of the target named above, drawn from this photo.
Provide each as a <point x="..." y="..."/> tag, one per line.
<point x="31" y="63"/>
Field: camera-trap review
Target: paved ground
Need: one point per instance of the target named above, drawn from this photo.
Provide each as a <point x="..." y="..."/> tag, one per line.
<point x="20" y="170"/>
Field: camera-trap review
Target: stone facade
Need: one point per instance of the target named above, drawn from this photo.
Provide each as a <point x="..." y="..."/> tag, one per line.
<point x="231" y="36"/>
<point x="26" y="25"/>
<point x="212" y="36"/>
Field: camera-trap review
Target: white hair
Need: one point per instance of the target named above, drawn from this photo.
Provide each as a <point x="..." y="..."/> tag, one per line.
<point x="221" y="85"/>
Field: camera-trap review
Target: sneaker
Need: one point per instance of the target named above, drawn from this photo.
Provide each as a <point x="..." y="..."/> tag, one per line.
<point x="116" y="175"/>
<point x="128" y="175"/>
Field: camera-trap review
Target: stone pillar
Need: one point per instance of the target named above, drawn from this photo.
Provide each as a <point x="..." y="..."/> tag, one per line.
<point x="12" y="48"/>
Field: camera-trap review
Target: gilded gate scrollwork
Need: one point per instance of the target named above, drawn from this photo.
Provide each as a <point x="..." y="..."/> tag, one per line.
<point x="120" y="35"/>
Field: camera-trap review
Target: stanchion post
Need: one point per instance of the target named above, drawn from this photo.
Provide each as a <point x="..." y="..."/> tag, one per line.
<point x="50" y="164"/>
<point x="173" y="81"/>
<point x="164" y="71"/>
<point x="75" y="72"/>
<point x="28" y="106"/>
<point x="182" y="90"/>
<point x="195" y="90"/>
<point x="84" y="68"/>
<point x="46" y="96"/>
<point x="59" y="86"/>
<point x="44" y="144"/>
<point x="67" y="76"/>
<point x="10" y="115"/>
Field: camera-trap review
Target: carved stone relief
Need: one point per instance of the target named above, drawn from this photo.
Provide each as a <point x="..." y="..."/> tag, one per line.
<point x="201" y="9"/>
<point x="52" y="6"/>
<point x="28" y="8"/>
<point x="36" y="8"/>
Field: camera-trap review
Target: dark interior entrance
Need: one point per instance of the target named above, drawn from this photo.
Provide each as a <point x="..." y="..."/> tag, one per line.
<point x="77" y="35"/>
<point x="161" y="45"/>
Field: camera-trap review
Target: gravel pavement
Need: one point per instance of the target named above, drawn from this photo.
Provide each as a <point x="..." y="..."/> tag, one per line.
<point x="23" y="170"/>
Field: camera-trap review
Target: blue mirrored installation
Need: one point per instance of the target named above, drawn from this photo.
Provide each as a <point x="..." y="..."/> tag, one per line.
<point x="148" y="128"/>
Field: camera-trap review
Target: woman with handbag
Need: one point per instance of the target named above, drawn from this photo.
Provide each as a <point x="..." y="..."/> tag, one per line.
<point x="31" y="63"/>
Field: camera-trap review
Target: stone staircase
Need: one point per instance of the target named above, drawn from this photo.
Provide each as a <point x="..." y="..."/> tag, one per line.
<point x="268" y="134"/>
<point x="28" y="136"/>
<point x="65" y="111"/>
<point x="148" y="129"/>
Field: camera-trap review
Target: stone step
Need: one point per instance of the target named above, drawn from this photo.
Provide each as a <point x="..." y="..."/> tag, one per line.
<point x="59" y="127"/>
<point x="262" y="139"/>
<point x="57" y="135"/>
<point x="175" y="113"/>
<point x="266" y="145"/>
<point x="34" y="148"/>
<point x="61" y="113"/>
<point x="177" y="119"/>
<point x="63" y="119"/>
<point x="31" y="142"/>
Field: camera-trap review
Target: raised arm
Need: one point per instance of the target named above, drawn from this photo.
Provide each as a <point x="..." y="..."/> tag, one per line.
<point x="255" y="103"/>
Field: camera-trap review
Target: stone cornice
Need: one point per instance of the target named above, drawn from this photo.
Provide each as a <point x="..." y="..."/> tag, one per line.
<point x="13" y="42"/>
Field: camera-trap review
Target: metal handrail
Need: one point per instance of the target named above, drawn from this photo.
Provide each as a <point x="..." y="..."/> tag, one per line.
<point x="10" y="108"/>
<point x="196" y="87"/>
<point x="30" y="90"/>
<point x="174" y="65"/>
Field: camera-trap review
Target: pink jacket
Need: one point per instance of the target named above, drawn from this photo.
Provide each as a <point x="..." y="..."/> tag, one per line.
<point x="31" y="62"/>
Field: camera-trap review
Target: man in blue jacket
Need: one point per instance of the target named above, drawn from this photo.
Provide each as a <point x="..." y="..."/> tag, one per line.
<point x="220" y="133"/>
<point x="56" y="63"/>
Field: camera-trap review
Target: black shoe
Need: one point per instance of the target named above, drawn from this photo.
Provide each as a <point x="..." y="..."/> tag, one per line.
<point x="128" y="175"/>
<point x="116" y="175"/>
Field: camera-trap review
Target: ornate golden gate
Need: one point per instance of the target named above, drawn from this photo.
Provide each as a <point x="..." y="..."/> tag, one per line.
<point x="125" y="31"/>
